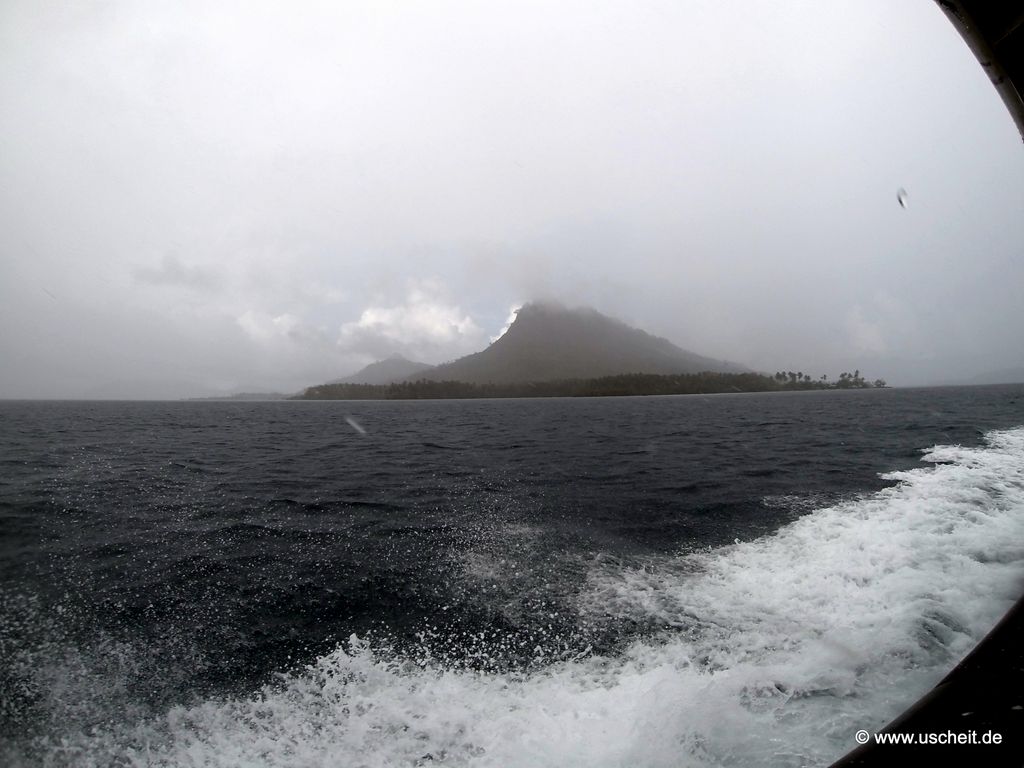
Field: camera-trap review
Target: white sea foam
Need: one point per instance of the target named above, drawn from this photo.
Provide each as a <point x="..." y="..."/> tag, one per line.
<point x="773" y="652"/>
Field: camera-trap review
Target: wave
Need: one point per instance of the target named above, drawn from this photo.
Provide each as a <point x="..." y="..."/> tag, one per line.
<point x="767" y="652"/>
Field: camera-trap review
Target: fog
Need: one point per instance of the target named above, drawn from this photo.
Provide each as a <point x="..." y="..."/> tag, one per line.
<point x="209" y="197"/>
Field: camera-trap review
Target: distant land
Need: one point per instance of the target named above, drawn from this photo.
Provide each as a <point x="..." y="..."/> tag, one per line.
<point x="247" y="396"/>
<point x="553" y="351"/>
<point x="386" y="371"/>
<point x="550" y="342"/>
<point x="621" y="385"/>
<point x="1004" y="376"/>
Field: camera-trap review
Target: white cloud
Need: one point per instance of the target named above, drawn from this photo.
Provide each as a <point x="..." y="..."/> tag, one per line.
<point x="263" y="327"/>
<point x="425" y="325"/>
<point x="508" y="322"/>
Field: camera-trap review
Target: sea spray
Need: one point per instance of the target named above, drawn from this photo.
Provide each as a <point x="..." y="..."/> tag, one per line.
<point x="771" y="652"/>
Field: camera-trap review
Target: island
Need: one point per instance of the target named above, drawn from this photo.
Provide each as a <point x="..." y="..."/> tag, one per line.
<point x="553" y="351"/>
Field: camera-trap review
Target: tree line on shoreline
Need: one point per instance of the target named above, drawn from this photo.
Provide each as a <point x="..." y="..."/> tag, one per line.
<point x="705" y="383"/>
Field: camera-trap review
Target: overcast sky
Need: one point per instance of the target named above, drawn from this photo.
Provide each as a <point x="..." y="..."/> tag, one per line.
<point x="202" y="197"/>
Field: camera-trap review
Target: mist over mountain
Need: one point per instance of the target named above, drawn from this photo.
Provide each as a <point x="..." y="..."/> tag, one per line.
<point x="548" y="341"/>
<point x="391" y="369"/>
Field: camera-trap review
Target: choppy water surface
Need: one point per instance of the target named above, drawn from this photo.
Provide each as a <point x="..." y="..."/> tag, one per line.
<point x="725" y="580"/>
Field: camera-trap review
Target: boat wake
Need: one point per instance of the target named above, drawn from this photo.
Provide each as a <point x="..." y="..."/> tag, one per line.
<point x="767" y="652"/>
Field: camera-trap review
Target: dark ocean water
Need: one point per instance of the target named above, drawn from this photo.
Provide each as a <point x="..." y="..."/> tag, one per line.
<point x="721" y="580"/>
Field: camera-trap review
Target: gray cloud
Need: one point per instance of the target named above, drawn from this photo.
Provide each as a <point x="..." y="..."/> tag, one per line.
<point x="173" y="272"/>
<point x="723" y="175"/>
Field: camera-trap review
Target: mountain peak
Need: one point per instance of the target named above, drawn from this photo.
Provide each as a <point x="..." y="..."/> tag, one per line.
<point x="540" y="306"/>
<point x="549" y="341"/>
<point x="394" y="367"/>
